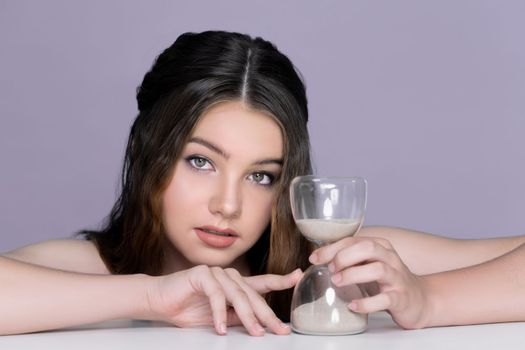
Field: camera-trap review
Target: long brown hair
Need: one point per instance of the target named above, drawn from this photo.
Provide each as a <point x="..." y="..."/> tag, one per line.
<point x="196" y="72"/>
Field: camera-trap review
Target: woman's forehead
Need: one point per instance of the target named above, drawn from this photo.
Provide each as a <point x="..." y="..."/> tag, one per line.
<point x="239" y="130"/>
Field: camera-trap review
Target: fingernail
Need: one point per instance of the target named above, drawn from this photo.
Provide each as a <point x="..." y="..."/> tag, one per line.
<point x="331" y="267"/>
<point x="313" y="258"/>
<point x="352" y="306"/>
<point x="337" y="278"/>
<point x="259" y="328"/>
<point x="222" y="328"/>
<point x="284" y="325"/>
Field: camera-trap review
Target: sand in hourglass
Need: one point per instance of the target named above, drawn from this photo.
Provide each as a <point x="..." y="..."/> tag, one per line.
<point x="318" y="317"/>
<point x="327" y="230"/>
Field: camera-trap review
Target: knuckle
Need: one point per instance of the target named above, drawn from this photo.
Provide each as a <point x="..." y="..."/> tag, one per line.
<point x="321" y="254"/>
<point x="381" y="269"/>
<point x="384" y="242"/>
<point x="389" y="299"/>
<point x="215" y="269"/>
<point x="215" y="289"/>
<point x="393" y="259"/>
<point x="259" y="298"/>
<point x="268" y="286"/>
<point x="368" y="246"/>
<point x="218" y="295"/>
<point x="267" y="316"/>
<point x="200" y="269"/>
<point x="338" y="259"/>
<point x="234" y="273"/>
<point x="240" y="293"/>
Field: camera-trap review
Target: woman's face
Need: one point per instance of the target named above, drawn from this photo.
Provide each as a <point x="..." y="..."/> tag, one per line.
<point x="219" y="199"/>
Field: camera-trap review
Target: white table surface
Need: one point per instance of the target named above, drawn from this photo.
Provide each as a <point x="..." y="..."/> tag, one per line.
<point x="382" y="333"/>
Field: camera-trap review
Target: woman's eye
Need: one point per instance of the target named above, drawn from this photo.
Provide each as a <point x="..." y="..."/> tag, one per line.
<point x="262" y="178"/>
<point x="200" y="163"/>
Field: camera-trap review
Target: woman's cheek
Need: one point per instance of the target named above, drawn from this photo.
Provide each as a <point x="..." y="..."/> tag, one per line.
<point x="260" y="207"/>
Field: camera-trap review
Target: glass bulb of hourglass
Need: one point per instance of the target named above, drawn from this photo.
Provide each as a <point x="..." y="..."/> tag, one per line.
<point x="325" y="211"/>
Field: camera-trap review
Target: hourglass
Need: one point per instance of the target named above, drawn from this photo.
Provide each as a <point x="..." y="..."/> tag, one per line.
<point x="326" y="209"/>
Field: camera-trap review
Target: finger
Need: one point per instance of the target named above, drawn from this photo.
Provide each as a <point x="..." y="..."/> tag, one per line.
<point x="204" y="280"/>
<point x="379" y="302"/>
<point x="376" y="271"/>
<point x="266" y="283"/>
<point x="262" y="311"/>
<point x="325" y="254"/>
<point x="240" y="302"/>
<point x="384" y="242"/>
<point x="363" y="251"/>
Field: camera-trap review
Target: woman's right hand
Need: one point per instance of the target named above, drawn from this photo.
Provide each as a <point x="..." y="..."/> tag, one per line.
<point x="206" y="295"/>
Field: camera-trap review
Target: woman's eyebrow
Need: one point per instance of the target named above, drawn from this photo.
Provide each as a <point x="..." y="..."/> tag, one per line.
<point x="225" y="155"/>
<point x="269" y="161"/>
<point x="210" y="145"/>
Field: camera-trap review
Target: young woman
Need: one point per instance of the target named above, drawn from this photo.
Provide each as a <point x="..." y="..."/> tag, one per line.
<point x="220" y="133"/>
<point x="202" y="232"/>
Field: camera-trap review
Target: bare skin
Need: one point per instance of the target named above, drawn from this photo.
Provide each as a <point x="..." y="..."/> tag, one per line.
<point x="54" y="283"/>
<point x="415" y="277"/>
<point x="424" y="280"/>
<point x="225" y="176"/>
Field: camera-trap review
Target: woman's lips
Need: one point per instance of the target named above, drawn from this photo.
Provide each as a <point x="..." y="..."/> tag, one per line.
<point x="215" y="237"/>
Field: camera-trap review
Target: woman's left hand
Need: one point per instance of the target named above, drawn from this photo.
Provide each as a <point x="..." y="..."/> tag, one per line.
<point x="374" y="263"/>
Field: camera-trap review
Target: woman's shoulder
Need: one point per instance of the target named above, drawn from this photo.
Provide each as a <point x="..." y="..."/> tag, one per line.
<point x="63" y="254"/>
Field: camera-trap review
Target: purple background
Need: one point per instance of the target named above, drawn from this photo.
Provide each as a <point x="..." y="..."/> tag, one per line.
<point x="426" y="99"/>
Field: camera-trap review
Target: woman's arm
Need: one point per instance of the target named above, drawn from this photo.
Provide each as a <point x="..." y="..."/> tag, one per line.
<point x="424" y="253"/>
<point x="493" y="291"/>
<point x="64" y="283"/>
<point x="35" y="298"/>
<point x="62" y="254"/>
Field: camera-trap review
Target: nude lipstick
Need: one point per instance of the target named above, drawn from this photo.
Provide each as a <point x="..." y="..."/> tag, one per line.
<point x="216" y="237"/>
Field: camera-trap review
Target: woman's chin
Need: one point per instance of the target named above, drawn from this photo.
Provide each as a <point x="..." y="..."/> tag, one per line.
<point x="222" y="260"/>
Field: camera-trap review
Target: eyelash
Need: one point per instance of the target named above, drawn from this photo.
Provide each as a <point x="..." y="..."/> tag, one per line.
<point x="271" y="178"/>
<point x="191" y="162"/>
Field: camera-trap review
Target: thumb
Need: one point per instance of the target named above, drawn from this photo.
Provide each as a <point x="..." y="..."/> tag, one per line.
<point x="267" y="283"/>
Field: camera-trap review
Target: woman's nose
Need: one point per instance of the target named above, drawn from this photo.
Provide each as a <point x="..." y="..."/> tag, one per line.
<point x="227" y="199"/>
